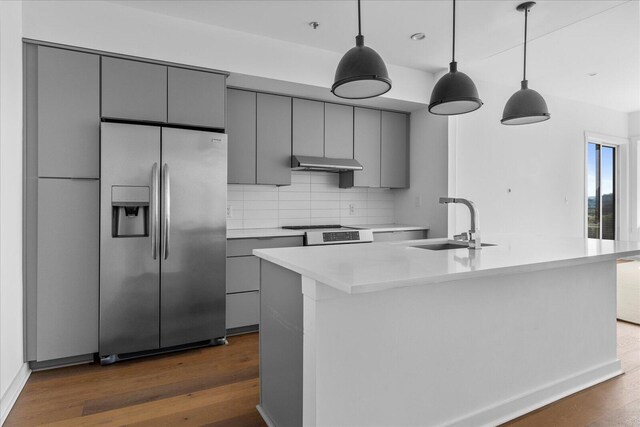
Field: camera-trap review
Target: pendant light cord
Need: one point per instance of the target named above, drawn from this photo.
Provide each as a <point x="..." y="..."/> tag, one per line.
<point x="524" y="71"/>
<point x="453" y="50"/>
<point x="359" y="25"/>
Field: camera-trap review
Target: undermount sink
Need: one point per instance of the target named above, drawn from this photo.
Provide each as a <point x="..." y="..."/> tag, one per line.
<point x="451" y="244"/>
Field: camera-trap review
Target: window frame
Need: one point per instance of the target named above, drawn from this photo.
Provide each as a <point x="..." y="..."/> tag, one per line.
<point x="620" y="185"/>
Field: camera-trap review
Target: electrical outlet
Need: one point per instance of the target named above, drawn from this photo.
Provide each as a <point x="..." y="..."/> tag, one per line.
<point x="229" y="211"/>
<point x="418" y="201"/>
<point x="352" y="209"/>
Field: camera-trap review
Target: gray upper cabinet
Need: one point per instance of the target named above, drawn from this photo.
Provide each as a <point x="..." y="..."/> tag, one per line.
<point x="394" y="171"/>
<point x="67" y="268"/>
<point x="241" y="128"/>
<point x="134" y="90"/>
<point x="196" y="98"/>
<point x="67" y="95"/>
<point x="366" y="146"/>
<point x="308" y="127"/>
<point x="338" y="131"/>
<point x="273" y="145"/>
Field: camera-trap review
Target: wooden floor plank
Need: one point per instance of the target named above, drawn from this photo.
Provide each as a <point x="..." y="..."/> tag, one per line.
<point x="219" y="387"/>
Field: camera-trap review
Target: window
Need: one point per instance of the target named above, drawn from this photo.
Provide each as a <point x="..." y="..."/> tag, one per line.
<point x="601" y="191"/>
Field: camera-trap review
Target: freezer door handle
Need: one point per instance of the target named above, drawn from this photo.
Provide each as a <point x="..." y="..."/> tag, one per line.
<point x="166" y="210"/>
<point x="154" y="211"/>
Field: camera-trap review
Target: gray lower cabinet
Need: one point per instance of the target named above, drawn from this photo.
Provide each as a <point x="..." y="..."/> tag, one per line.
<point x="338" y="131"/>
<point x="63" y="116"/>
<point x="273" y="139"/>
<point x="394" y="141"/>
<point x="196" y="98"/>
<point x="308" y="127"/>
<point x="134" y="90"/>
<point x="243" y="280"/>
<point x="241" y="131"/>
<point x="393" y="236"/>
<point x="63" y="316"/>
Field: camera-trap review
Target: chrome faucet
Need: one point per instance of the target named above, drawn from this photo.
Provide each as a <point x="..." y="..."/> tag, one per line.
<point x="473" y="237"/>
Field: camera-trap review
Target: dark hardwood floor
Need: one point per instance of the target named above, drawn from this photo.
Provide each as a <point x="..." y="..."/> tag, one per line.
<point x="214" y="386"/>
<point x="218" y="386"/>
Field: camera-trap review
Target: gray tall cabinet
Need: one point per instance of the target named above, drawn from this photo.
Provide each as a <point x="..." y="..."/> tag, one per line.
<point x="62" y="90"/>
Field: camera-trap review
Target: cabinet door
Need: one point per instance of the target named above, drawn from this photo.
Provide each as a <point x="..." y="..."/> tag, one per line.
<point x="273" y="165"/>
<point x="134" y="90"/>
<point x="338" y="131"/>
<point x="308" y="128"/>
<point x="366" y="146"/>
<point x="67" y="268"/>
<point x="196" y="98"/>
<point x="241" y="131"/>
<point x="68" y="113"/>
<point x="394" y="171"/>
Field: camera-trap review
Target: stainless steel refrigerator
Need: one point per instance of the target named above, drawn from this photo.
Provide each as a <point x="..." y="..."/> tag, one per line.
<point x="162" y="238"/>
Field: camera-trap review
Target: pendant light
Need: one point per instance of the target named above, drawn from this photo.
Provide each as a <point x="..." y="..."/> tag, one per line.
<point x="455" y="93"/>
<point x="526" y="105"/>
<point x="361" y="72"/>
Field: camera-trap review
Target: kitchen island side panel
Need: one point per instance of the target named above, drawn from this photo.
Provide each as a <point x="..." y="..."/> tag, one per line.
<point x="477" y="351"/>
<point x="281" y="320"/>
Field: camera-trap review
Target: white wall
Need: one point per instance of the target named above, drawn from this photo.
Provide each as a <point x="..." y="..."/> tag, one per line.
<point x="542" y="164"/>
<point x="428" y="174"/>
<point x="115" y="28"/>
<point x="12" y="369"/>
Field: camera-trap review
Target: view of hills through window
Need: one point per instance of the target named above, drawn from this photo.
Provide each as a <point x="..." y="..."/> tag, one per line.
<point x="601" y="197"/>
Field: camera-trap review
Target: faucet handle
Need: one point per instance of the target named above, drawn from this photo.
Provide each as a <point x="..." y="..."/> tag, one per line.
<point x="461" y="236"/>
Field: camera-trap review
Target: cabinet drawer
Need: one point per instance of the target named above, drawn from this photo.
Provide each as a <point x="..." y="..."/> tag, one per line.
<point x="243" y="309"/>
<point x="243" y="247"/>
<point x="243" y="274"/>
<point x="390" y="236"/>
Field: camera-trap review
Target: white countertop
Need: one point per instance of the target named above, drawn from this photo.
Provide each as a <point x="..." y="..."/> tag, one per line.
<point x="249" y="233"/>
<point x="369" y="267"/>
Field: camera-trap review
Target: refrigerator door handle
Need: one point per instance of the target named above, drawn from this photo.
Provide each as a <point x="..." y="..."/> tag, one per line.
<point x="154" y="211"/>
<point x="166" y="210"/>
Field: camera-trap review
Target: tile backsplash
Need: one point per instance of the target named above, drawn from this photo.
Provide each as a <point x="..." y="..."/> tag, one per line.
<point x="312" y="198"/>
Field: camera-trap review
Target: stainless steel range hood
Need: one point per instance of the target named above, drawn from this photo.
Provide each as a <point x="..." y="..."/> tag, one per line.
<point x="324" y="164"/>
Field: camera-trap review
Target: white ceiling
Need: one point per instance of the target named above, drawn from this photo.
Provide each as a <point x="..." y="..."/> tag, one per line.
<point x="568" y="39"/>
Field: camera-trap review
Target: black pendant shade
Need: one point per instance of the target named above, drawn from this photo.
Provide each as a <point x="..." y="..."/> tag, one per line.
<point x="361" y="72"/>
<point x="526" y="105"/>
<point x="455" y="93"/>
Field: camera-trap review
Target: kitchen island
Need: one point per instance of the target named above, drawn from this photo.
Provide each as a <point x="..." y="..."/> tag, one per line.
<point x="397" y="335"/>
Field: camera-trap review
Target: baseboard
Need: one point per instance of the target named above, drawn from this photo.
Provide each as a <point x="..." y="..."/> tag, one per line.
<point x="537" y="398"/>
<point x="265" y="417"/>
<point x="11" y="395"/>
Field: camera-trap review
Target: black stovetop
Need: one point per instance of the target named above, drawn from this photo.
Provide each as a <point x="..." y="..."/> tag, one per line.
<point x="311" y="227"/>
